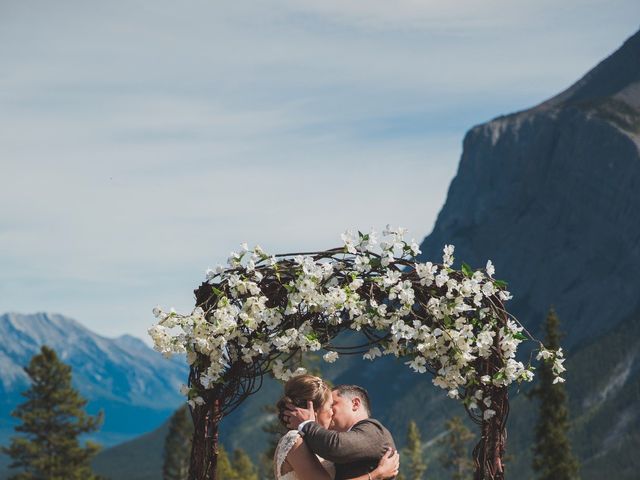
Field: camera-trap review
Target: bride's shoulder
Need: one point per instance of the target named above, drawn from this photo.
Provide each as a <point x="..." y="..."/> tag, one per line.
<point x="290" y="435"/>
<point x="290" y="438"/>
<point x="287" y="444"/>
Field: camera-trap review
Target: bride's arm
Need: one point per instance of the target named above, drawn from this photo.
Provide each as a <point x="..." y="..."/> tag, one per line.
<point x="306" y="464"/>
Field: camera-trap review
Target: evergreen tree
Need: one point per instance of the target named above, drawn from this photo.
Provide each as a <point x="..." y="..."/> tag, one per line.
<point x="412" y="452"/>
<point x="552" y="459"/>
<point x="51" y="418"/>
<point x="243" y="467"/>
<point x="456" y="456"/>
<point x="177" y="446"/>
<point x="225" y="470"/>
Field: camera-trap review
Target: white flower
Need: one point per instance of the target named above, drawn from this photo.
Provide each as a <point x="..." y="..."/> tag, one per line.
<point x="418" y="364"/>
<point x="391" y="278"/>
<point x="347" y="238"/>
<point x="447" y="258"/>
<point x="330" y="357"/>
<point x="338" y="291"/>
<point x="490" y="268"/>
<point x="363" y="263"/>
<point x="387" y="258"/>
<point x="544" y="354"/>
<point x="426" y="272"/>
<point x="488" y="413"/>
<point x="488" y="289"/>
<point x="505" y="295"/>
<point x="442" y="278"/>
<point x="372" y="353"/>
<point x="415" y="248"/>
<point x="196" y="401"/>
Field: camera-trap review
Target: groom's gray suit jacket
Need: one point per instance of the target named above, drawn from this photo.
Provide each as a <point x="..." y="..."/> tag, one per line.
<point x="355" y="452"/>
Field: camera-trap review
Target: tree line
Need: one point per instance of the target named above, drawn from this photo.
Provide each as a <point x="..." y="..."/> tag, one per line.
<point x="53" y="416"/>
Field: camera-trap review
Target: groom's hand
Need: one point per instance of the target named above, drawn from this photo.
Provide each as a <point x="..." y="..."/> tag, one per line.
<point x="296" y="415"/>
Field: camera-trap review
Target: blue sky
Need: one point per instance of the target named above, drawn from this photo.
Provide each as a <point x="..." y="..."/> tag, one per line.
<point x="141" y="141"/>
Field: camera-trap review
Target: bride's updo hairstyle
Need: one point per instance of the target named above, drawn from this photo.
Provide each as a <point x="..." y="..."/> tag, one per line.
<point x="299" y="390"/>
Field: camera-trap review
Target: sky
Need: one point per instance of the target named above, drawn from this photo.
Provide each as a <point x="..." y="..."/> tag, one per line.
<point x="143" y="140"/>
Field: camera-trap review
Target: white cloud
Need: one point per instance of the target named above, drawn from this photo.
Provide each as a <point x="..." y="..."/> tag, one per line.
<point x="141" y="141"/>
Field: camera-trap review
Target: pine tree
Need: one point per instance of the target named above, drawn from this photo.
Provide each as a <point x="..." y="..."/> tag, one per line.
<point x="413" y="453"/>
<point x="177" y="446"/>
<point x="52" y="418"/>
<point x="456" y="456"/>
<point x="243" y="467"/>
<point x="552" y="459"/>
<point x="225" y="469"/>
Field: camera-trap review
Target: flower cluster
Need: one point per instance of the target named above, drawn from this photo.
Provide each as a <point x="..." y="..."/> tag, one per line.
<point x="263" y="308"/>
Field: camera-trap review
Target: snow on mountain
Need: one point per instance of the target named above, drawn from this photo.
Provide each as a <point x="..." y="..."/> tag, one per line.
<point x="135" y="386"/>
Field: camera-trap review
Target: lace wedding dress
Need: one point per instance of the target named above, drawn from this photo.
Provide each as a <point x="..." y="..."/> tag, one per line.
<point x="285" y="444"/>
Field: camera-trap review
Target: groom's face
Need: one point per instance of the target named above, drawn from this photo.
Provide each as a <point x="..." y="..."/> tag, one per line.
<point x="342" y="413"/>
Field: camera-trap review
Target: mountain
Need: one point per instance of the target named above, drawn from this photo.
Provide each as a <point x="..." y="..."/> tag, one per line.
<point x="135" y="386"/>
<point x="136" y="459"/>
<point x="550" y="195"/>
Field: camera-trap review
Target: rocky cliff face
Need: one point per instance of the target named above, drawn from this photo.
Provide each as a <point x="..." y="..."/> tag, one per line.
<point x="551" y="195"/>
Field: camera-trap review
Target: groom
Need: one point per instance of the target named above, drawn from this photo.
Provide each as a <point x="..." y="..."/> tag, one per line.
<point x="355" y="443"/>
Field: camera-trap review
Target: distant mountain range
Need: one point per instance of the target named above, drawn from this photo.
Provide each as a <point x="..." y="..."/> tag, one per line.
<point x="551" y="196"/>
<point x="135" y="386"/>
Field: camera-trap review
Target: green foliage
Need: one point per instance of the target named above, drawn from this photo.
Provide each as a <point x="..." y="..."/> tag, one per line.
<point x="553" y="459"/>
<point x="177" y="446"/>
<point x="52" y="418"/>
<point x="225" y="469"/>
<point x="456" y="454"/>
<point x="243" y="467"/>
<point x="239" y="468"/>
<point x="412" y="455"/>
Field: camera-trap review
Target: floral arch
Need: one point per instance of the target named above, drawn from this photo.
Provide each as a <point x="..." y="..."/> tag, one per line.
<point x="253" y="315"/>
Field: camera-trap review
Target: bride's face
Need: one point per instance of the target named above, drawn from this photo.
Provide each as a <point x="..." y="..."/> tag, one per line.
<point x="325" y="414"/>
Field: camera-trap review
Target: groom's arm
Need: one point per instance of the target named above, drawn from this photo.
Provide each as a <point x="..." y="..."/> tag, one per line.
<point x="365" y="441"/>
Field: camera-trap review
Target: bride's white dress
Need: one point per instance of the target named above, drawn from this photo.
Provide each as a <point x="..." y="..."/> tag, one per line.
<point x="285" y="444"/>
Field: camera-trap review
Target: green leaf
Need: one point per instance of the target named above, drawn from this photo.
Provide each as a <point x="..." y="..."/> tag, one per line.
<point x="500" y="283"/>
<point x="217" y="291"/>
<point x="519" y="336"/>
<point x="466" y="269"/>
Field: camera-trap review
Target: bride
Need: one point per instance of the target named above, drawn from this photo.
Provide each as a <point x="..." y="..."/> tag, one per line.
<point x="292" y="459"/>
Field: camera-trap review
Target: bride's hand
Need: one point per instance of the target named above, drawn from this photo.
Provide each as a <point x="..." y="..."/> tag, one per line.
<point x="296" y="415"/>
<point x="388" y="466"/>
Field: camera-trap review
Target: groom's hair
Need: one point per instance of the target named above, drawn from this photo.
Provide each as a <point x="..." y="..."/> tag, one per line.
<point x="352" y="391"/>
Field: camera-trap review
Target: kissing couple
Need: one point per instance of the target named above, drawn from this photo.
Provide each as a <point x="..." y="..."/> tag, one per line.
<point x="331" y="436"/>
